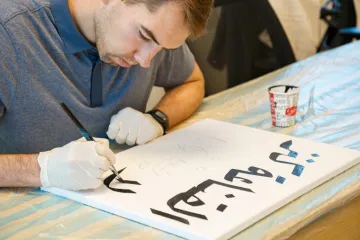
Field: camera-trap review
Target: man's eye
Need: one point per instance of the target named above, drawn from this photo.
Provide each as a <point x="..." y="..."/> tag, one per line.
<point x="143" y="37"/>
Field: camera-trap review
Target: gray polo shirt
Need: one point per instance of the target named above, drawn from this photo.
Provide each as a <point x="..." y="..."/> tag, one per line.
<point x="45" y="61"/>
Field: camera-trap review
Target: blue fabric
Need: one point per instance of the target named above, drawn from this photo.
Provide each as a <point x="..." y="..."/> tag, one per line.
<point x="73" y="41"/>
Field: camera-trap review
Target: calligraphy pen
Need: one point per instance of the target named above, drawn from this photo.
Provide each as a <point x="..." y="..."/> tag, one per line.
<point x="85" y="133"/>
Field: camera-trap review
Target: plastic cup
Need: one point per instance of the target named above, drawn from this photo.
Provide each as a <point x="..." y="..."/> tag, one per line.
<point x="283" y="104"/>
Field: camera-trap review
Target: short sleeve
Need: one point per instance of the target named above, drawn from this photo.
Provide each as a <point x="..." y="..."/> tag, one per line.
<point x="175" y="67"/>
<point x="8" y="68"/>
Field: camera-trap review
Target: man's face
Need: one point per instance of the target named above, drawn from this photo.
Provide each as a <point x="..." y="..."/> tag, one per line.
<point x="131" y="34"/>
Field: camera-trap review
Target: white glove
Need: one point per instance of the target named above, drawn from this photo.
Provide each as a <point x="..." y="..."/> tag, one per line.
<point x="131" y="126"/>
<point x="78" y="165"/>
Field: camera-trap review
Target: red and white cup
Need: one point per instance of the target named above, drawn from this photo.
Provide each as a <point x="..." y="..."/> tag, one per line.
<point x="283" y="104"/>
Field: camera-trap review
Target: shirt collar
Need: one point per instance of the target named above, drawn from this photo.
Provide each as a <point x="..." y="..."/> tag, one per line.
<point x="73" y="40"/>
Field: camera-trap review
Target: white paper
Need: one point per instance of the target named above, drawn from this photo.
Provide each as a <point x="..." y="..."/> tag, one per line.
<point x="205" y="153"/>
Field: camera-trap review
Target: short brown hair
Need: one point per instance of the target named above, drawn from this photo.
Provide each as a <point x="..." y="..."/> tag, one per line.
<point x="196" y="12"/>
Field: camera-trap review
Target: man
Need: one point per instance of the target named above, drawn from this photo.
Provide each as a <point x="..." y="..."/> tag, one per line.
<point x="101" y="58"/>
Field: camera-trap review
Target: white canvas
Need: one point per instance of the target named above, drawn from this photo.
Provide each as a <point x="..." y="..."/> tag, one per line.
<point x="186" y="177"/>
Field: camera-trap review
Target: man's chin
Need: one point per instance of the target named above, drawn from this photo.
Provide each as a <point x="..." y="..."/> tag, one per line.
<point x="117" y="64"/>
<point x="123" y="63"/>
<point x="117" y="61"/>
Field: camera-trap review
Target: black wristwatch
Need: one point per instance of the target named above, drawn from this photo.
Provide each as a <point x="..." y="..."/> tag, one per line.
<point x="161" y="118"/>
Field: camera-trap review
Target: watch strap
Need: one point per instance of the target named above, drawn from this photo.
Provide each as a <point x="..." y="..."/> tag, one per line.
<point x="161" y="118"/>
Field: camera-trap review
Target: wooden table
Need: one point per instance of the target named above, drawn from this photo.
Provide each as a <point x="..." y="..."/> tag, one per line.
<point x="328" y="111"/>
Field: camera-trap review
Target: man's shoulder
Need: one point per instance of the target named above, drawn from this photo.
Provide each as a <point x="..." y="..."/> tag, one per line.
<point x="11" y="8"/>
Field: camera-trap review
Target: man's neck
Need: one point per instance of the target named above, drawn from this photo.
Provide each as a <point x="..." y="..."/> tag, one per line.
<point x="82" y="12"/>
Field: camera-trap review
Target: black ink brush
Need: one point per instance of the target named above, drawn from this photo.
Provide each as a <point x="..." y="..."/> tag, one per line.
<point x="85" y="133"/>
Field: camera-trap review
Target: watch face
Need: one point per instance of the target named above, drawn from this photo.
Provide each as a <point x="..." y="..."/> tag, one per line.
<point x="161" y="118"/>
<point x="161" y="115"/>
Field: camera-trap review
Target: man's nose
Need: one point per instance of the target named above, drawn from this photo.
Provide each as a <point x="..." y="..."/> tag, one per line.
<point x="146" y="54"/>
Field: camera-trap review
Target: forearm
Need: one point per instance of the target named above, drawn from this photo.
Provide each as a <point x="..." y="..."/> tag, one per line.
<point x="19" y="170"/>
<point x="181" y="102"/>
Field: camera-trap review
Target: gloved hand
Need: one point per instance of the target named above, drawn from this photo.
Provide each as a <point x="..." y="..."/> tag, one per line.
<point x="131" y="126"/>
<point x="78" y="165"/>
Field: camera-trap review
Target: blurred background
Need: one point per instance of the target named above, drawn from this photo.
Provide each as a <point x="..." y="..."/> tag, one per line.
<point x="246" y="39"/>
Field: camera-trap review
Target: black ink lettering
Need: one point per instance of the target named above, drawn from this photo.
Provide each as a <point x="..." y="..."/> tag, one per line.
<point x="221" y="207"/>
<point x="229" y="196"/>
<point x="298" y="169"/>
<point x="111" y="177"/>
<point x="186" y="196"/>
<point x="252" y="171"/>
<point x="287" y="145"/>
<point x="168" y="215"/>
